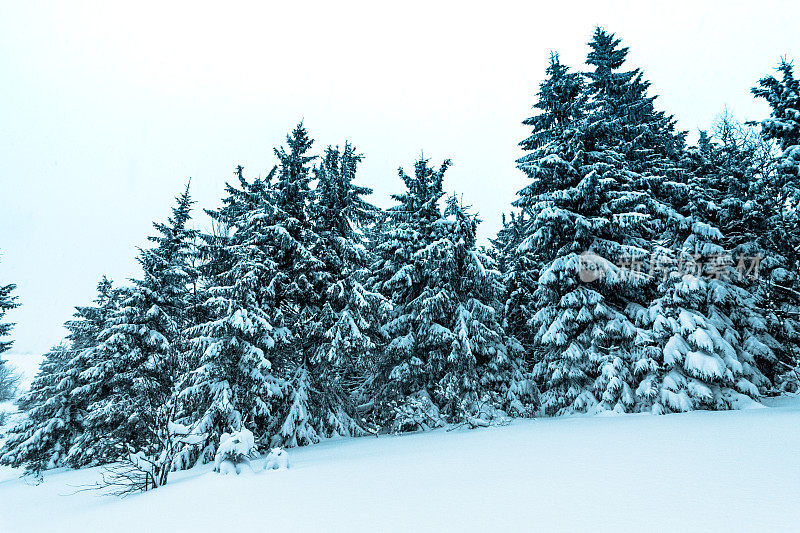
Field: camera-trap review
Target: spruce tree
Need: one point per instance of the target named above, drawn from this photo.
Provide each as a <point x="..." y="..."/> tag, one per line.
<point x="559" y="106"/>
<point x="400" y="372"/>
<point x="727" y="170"/>
<point x="597" y="202"/>
<point x="623" y="115"/>
<point x="7" y="378"/>
<point x="233" y="384"/>
<point x="297" y="288"/>
<point x="777" y="196"/>
<point x="55" y="407"/>
<point x="275" y="269"/>
<point x="481" y="367"/>
<point x="348" y="336"/>
<point x="624" y="127"/>
<point x="706" y="329"/>
<point x="142" y="357"/>
<point x="447" y="358"/>
<point x="564" y="204"/>
<point x="520" y="271"/>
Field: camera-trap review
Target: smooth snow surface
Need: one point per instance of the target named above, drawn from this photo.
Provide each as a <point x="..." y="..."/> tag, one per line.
<point x="701" y="471"/>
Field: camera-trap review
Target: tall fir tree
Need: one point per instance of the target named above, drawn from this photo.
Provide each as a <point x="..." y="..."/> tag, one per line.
<point x="706" y="332"/>
<point x="7" y="378"/>
<point x="623" y="115"/>
<point x="481" y="367"/>
<point x="276" y="269"/>
<point x="233" y="384"/>
<point x="55" y="406"/>
<point x="347" y="337"/>
<point x="520" y="274"/>
<point x="447" y="357"/>
<point x="298" y="287"/>
<point x="596" y="202"/>
<point x="626" y="128"/>
<point x="400" y="372"/>
<point x="560" y="105"/>
<point x="778" y="196"/>
<point x="142" y="357"/>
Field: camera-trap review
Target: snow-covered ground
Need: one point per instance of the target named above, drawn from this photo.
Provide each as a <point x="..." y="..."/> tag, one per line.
<point x="700" y="471"/>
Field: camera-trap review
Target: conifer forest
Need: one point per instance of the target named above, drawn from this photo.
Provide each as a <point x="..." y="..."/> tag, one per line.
<point x="642" y="269"/>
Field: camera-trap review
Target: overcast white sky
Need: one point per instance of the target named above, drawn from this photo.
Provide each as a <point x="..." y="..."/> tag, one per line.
<point x="106" y="111"/>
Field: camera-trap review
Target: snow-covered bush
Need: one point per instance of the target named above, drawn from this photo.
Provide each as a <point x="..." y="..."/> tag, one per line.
<point x="277" y="459"/>
<point x="234" y="452"/>
<point x="416" y="412"/>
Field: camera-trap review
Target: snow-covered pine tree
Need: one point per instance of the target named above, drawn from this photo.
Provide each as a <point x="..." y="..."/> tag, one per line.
<point x="783" y="127"/>
<point x="520" y="274"/>
<point x="143" y="353"/>
<point x="625" y="127"/>
<point x="624" y="115"/>
<point x="234" y="384"/>
<point x="706" y="333"/>
<point x="7" y="379"/>
<point x="725" y="171"/>
<point x="687" y="198"/>
<point x="447" y="357"/>
<point x="560" y="105"/>
<point x="561" y="312"/>
<point x="598" y="188"/>
<point x="41" y="439"/>
<point x="54" y="408"/>
<point x="307" y="286"/>
<point x="347" y="336"/>
<point x="508" y="237"/>
<point x="296" y="288"/>
<point x="779" y="196"/>
<point x="481" y="368"/>
<point x="623" y="124"/>
<point x="399" y="374"/>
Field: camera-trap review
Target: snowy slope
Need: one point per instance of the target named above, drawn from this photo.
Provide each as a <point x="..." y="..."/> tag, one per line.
<point x="699" y="471"/>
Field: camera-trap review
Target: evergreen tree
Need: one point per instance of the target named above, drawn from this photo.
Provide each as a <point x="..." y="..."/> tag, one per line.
<point x="560" y="106"/>
<point x="269" y="272"/>
<point x="778" y="196"/>
<point x="597" y="201"/>
<point x="234" y="384"/>
<point x="42" y="439"/>
<point x="520" y="274"/>
<point x="298" y="287"/>
<point x="348" y="336"/>
<point x="482" y="368"/>
<point x="142" y="355"/>
<point x="726" y="172"/>
<point x="706" y="332"/>
<point x="7" y="379"/>
<point x="400" y="371"/>
<point x="447" y="357"/>
<point x="623" y="114"/>
<point x="54" y="407"/>
<point x="293" y="194"/>
<point x="624" y="129"/>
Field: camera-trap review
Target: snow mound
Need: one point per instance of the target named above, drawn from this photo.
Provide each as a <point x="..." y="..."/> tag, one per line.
<point x="277" y="459"/>
<point x="235" y="450"/>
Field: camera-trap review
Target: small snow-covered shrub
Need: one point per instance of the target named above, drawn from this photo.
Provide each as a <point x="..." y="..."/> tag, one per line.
<point x="416" y="412"/>
<point x="234" y="452"/>
<point x="476" y="413"/>
<point x="277" y="459"/>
